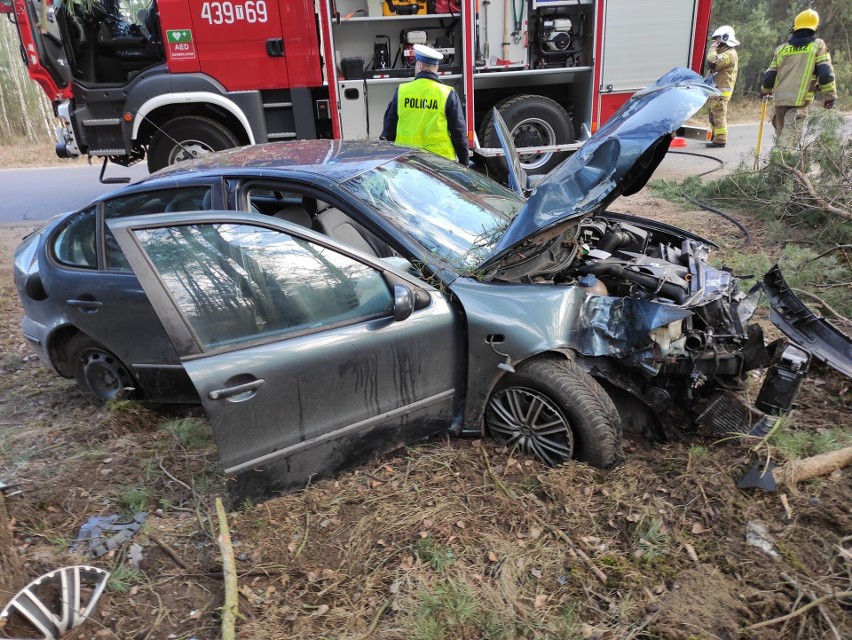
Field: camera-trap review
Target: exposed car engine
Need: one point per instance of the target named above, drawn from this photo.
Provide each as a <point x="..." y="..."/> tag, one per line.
<point x="624" y="256"/>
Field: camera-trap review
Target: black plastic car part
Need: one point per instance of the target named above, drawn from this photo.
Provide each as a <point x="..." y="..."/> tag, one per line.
<point x="816" y="335"/>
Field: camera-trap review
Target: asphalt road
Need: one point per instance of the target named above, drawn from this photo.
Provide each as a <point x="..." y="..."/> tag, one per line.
<point x="38" y="194"/>
<point x="742" y="141"/>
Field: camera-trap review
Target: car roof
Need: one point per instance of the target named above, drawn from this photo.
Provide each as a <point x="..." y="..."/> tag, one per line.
<point x="336" y="160"/>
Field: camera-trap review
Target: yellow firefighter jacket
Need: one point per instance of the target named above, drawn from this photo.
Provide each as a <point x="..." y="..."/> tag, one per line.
<point x="798" y="67"/>
<point x="724" y="61"/>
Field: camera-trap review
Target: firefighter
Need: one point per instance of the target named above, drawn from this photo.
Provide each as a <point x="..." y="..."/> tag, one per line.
<point x="426" y="113"/>
<point x="723" y="60"/>
<point x="791" y="74"/>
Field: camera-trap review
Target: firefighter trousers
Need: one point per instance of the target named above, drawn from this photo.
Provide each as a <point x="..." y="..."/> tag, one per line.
<point x="718" y="119"/>
<point x="788" y="123"/>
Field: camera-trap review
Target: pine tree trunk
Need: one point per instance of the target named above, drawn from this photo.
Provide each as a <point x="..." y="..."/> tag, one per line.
<point x="12" y="574"/>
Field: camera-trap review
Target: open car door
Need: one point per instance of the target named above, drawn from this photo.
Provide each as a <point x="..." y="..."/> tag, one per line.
<point x="308" y="358"/>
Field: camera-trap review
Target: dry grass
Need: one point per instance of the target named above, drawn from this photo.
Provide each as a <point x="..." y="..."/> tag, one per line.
<point x="19" y="154"/>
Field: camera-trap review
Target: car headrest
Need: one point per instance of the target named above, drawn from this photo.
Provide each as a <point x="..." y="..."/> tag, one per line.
<point x="296" y="214"/>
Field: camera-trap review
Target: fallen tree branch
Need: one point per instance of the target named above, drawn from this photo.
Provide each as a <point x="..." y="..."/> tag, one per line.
<point x="807" y="468"/>
<point x="811" y="596"/>
<point x="813" y="603"/>
<point x="229" y="569"/>
<point x="169" y="551"/>
<point x="806" y="183"/>
<point x="827" y="306"/>
<point x="827" y="251"/>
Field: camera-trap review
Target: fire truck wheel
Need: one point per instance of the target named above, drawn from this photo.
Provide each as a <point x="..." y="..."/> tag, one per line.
<point x="186" y="138"/>
<point x="534" y="121"/>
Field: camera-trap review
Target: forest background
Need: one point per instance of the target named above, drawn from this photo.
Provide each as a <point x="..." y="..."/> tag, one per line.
<point x="26" y="116"/>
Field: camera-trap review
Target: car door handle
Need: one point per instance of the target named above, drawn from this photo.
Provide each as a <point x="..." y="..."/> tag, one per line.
<point x="230" y="392"/>
<point x="85" y="304"/>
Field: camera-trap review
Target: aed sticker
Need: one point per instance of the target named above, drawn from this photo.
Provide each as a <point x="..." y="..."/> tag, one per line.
<point x="181" y="46"/>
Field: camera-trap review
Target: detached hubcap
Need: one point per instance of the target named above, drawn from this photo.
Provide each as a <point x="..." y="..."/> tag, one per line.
<point x="527" y="419"/>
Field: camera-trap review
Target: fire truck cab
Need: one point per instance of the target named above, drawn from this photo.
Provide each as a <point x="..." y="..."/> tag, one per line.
<point x="169" y="80"/>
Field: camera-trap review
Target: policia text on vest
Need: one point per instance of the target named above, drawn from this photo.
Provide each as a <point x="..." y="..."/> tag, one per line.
<point x="420" y="103"/>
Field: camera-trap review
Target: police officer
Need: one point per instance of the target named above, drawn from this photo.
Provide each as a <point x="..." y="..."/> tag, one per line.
<point x="426" y="113"/>
<point x="723" y="60"/>
<point x="790" y="77"/>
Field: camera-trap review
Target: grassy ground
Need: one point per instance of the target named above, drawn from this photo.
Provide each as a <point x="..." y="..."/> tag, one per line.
<point x="19" y="154"/>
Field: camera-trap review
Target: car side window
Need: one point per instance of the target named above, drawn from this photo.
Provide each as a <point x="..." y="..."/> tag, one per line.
<point x="239" y="283"/>
<point x="75" y="244"/>
<point x="159" y="201"/>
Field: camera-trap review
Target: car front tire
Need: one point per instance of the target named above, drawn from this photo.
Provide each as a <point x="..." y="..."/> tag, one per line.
<point x="555" y="411"/>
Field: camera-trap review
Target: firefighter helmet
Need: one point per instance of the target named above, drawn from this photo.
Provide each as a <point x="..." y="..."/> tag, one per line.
<point x="807" y="19"/>
<point x="726" y="35"/>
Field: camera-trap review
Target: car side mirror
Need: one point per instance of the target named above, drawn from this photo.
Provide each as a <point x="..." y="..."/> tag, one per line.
<point x="403" y="302"/>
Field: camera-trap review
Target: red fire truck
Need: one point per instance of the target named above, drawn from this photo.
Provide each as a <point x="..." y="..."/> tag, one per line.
<point x="172" y="79"/>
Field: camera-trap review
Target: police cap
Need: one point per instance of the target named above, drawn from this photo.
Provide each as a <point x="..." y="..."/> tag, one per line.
<point x="427" y="55"/>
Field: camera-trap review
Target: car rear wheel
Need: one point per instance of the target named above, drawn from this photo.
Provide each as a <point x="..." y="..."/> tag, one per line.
<point x="534" y="121"/>
<point x="186" y="138"/>
<point x="555" y="411"/>
<point x="100" y="375"/>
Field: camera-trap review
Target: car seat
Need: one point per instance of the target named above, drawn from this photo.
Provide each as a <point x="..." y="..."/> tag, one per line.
<point x="336" y="224"/>
<point x="183" y="203"/>
<point x="296" y="214"/>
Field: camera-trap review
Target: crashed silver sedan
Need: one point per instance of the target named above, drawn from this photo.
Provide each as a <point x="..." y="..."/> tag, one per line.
<point x="336" y="299"/>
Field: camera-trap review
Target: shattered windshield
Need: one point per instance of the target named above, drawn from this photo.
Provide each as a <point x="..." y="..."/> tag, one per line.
<point x="456" y="214"/>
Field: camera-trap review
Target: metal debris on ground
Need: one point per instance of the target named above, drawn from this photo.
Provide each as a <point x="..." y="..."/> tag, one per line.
<point x="103" y="534"/>
<point x="730" y="415"/>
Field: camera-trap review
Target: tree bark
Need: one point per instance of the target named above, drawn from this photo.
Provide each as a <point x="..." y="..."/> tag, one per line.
<point x="821" y="465"/>
<point x="12" y="574"/>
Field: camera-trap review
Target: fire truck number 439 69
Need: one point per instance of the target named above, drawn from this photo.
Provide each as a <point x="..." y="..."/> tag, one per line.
<point x="175" y="79"/>
<point x="231" y="12"/>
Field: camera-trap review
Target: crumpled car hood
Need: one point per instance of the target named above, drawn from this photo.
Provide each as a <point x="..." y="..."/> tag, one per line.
<point x="617" y="160"/>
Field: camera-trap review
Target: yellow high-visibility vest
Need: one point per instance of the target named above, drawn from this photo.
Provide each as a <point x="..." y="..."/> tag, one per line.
<point x="421" y="107"/>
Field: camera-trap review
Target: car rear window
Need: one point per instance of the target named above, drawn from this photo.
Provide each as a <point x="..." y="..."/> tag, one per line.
<point x="197" y="198"/>
<point x="75" y="244"/>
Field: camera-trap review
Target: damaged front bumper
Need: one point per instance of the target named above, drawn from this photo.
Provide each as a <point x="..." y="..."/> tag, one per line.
<point x="815" y="335"/>
<point x="812" y="337"/>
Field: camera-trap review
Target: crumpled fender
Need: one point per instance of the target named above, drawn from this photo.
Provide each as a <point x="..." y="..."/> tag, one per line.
<point x="816" y="335"/>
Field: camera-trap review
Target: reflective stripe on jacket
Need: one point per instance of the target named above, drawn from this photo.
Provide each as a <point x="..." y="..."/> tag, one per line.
<point x="724" y="61"/>
<point x="421" y="105"/>
<point x="793" y="68"/>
